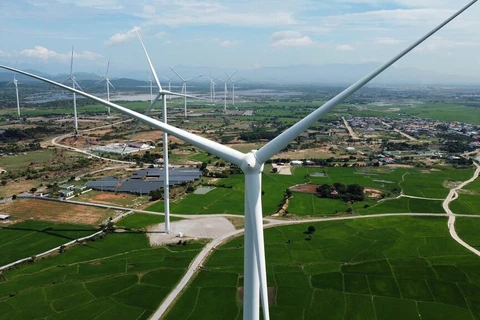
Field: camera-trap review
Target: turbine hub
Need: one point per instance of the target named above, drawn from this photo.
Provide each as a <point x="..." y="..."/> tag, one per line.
<point x="250" y="163"/>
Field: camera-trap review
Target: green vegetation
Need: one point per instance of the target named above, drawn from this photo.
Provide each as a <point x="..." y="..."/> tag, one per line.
<point x="20" y="161"/>
<point x="468" y="201"/>
<point x="384" y="268"/>
<point x="227" y="198"/>
<point x="467" y="230"/>
<point x="34" y="237"/>
<point x="117" y="277"/>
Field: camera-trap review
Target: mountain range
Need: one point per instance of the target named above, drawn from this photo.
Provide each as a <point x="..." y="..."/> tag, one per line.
<point x="295" y="74"/>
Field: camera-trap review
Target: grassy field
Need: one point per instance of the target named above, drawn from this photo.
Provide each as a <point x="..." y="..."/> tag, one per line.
<point x="118" y="277"/>
<point x="22" y="160"/>
<point x="468" y="201"/>
<point x="34" y="237"/>
<point x="467" y="229"/>
<point x="386" y="268"/>
<point x="384" y="179"/>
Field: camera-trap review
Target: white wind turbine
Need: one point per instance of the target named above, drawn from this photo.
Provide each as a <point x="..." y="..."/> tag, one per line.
<point x="233" y="87"/>
<point x="184" y="87"/>
<point x="225" y="91"/>
<point x="15" y="83"/>
<point x="252" y="163"/>
<point x="108" y="84"/>
<point x="74" y="86"/>
<point x="169" y="85"/>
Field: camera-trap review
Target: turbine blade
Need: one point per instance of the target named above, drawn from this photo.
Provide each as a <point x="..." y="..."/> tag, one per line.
<point x="177" y="74"/>
<point x="138" y="122"/>
<point x="282" y="140"/>
<point x="71" y="65"/>
<point x="76" y="83"/>
<point x="230" y="77"/>
<point x="181" y="95"/>
<point x="111" y="85"/>
<point x="149" y="62"/>
<point x="108" y="66"/>
<point x="217" y="149"/>
<point x="194" y="78"/>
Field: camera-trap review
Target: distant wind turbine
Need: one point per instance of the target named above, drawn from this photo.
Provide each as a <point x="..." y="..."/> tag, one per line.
<point x="74" y="86"/>
<point x="233" y="87"/>
<point x="15" y="83"/>
<point x="184" y="87"/>
<point x="108" y="84"/>
<point x="169" y="85"/>
<point x="252" y="164"/>
<point x="225" y="91"/>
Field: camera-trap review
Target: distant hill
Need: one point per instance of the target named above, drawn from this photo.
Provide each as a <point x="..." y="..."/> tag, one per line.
<point x="295" y="74"/>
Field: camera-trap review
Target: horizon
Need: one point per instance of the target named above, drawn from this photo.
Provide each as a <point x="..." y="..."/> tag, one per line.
<point x="245" y="36"/>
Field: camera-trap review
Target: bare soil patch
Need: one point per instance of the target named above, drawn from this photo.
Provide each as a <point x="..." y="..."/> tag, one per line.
<point x="373" y="193"/>
<point x="25" y="209"/>
<point x="305" y="188"/>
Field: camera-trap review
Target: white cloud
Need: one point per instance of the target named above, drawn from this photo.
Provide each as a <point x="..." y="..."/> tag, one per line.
<point x="120" y="38"/>
<point x="160" y="34"/>
<point x="43" y="53"/>
<point x="148" y="9"/>
<point x="228" y="43"/>
<point x="388" y="41"/>
<point x="290" y="39"/>
<point x="3" y="54"/>
<point x="441" y="44"/>
<point x="344" y="47"/>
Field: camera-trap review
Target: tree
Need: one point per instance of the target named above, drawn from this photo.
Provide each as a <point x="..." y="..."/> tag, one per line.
<point x="3" y="182"/>
<point x="311" y="229"/>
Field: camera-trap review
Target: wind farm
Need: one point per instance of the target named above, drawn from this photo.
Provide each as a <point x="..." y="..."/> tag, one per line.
<point x="312" y="202"/>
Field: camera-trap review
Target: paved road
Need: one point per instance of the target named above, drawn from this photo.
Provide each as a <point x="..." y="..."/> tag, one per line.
<point x="400" y="132"/>
<point x="452" y="195"/>
<point x="350" y="130"/>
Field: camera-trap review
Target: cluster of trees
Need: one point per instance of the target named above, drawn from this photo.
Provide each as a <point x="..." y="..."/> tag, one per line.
<point x="351" y="192"/>
<point x="15" y="147"/>
<point x="258" y="135"/>
<point x="15" y="134"/>
<point x="404" y="146"/>
<point x="455" y="146"/>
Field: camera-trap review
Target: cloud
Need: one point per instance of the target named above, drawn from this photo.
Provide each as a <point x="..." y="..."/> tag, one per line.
<point x="4" y="54"/>
<point x="344" y="47"/>
<point x="160" y="34"/>
<point x="441" y="44"/>
<point x="388" y="41"/>
<point x="120" y="38"/>
<point x="290" y="39"/>
<point x="228" y="43"/>
<point x="148" y="9"/>
<point x="43" y="53"/>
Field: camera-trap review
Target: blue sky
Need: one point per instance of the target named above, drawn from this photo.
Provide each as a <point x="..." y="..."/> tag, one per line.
<point x="236" y="34"/>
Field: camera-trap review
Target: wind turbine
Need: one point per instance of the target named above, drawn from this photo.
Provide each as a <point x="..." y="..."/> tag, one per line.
<point x="108" y="84"/>
<point x="169" y="87"/>
<point x="233" y="87"/>
<point x="252" y="163"/>
<point x="74" y="86"/>
<point x="224" y="93"/>
<point x="184" y="87"/>
<point x="15" y="83"/>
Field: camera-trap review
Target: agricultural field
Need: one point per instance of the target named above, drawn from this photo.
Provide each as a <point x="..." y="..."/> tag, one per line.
<point x="115" y="199"/>
<point x="467" y="230"/>
<point x="117" y="277"/>
<point x="384" y="268"/>
<point x="468" y="201"/>
<point x="54" y="211"/>
<point x="34" y="237"/>
<point x="227" y="198"/>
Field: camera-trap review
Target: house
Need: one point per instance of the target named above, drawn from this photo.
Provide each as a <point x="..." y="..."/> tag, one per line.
<point x="350" y="149"/>
<point x="296" y="163"/>
<point x="65" y="193"/>
<point x="4" y="217"/>
<point x="79" y="188"/>
<point x="67" y="186"/>
<point x="334" y="193"/>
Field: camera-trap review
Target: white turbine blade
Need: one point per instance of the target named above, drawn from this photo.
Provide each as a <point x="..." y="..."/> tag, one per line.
<point x="108" y="66"/>
<point x="217" y="149"/>
<point x="177" y="74"/>
<point x="76" y="83"/>
<point x="138" y="122"/>
<point x="194" y="78"/>
<point x="71" y="65"/>
<point x="181" y="95"/>
<point x="150" y="62"/>
<point x="111" y="85"/>
<point x="282" y="140"/>
<point x="230" y="77"/>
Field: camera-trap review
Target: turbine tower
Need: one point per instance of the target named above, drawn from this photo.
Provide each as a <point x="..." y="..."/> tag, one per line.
<point x="252" y="163"/>
<point x="233" y="87"/>
<point x="169" y="87"/>
<point x="15" y="83"/>
<point x="108" y="84"/>
<point x="184" y="87"/>
<point x="225" y="91"/>
<point x="74" y="86"/>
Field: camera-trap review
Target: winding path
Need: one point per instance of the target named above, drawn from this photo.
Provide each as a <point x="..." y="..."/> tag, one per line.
<point x="453" y="195"/>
